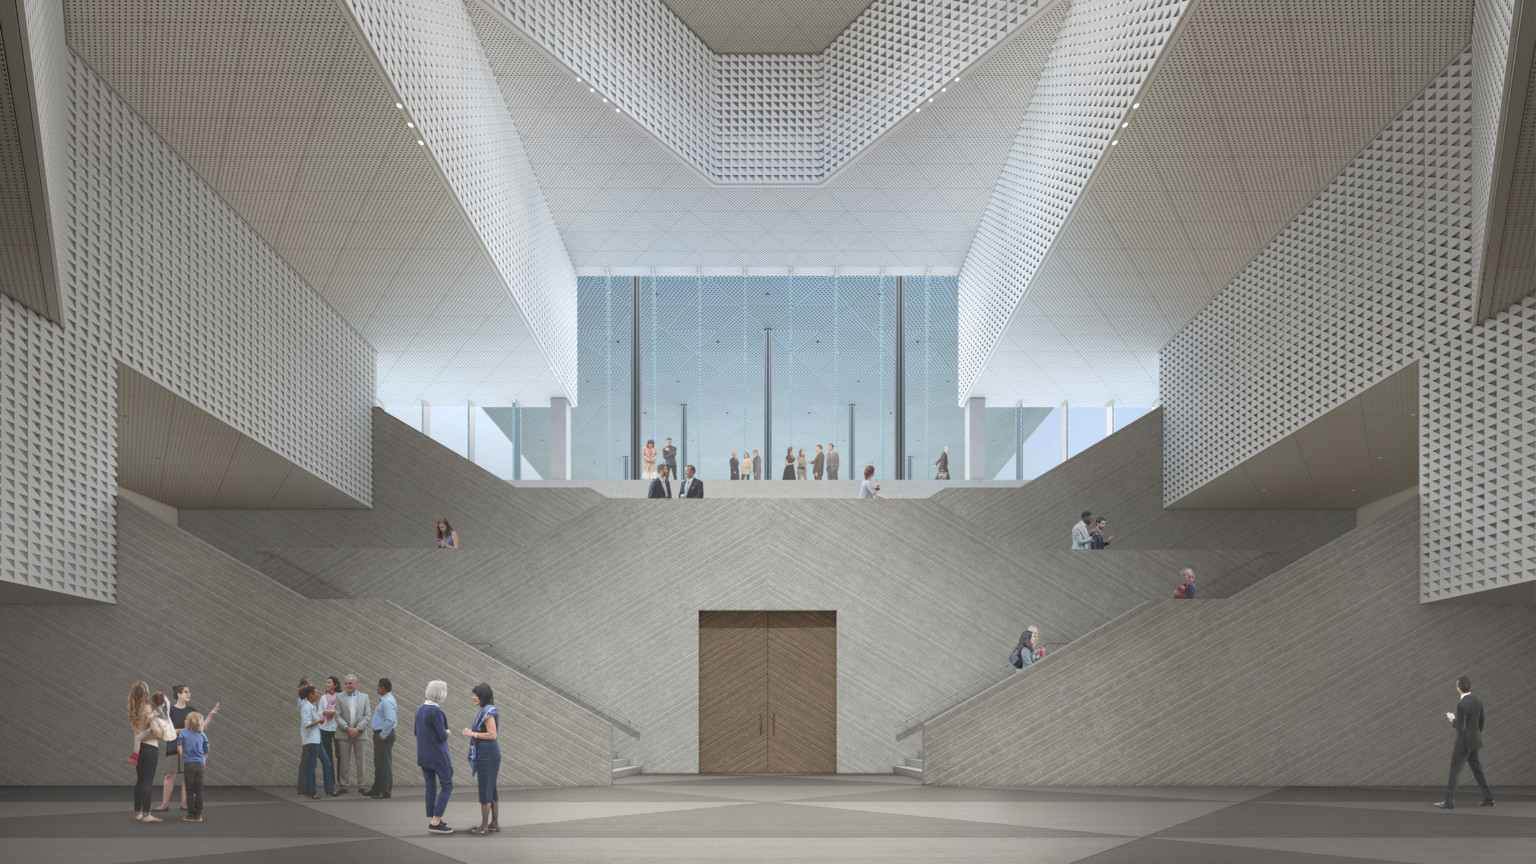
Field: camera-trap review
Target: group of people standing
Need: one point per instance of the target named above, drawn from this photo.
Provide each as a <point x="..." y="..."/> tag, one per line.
<point x="184" y="731"/>
<point x="823" y="464"/>
<point x="1089" y="533"/>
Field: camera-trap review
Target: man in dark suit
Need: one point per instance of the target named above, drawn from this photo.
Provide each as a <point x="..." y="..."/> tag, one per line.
<point x="669" y="456"/>
<point x="661" y="487"/>
<point x="757" y="466"/>
<point x="833" y="460"/>
<point x="819" y="463"/>
<point x="692" y="487"/>
<point x="1467" y="720"/>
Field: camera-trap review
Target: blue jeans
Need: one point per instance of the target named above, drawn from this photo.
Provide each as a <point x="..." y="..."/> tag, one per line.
<point x="313" y="752"/>
<point x="437" y="801"/>
<point x="486" y="769"/>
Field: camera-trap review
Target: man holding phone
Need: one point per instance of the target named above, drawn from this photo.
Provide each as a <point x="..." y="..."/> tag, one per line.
<point x="1467" y="720"/>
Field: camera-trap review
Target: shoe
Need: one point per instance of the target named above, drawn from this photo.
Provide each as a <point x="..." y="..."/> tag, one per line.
<point x="1489" y="803"/>
<point x="493" y="828"/>
<point x="1444" y="806"/>
<point x="341" y="791"/>
<point x="162" y="809"/>
<point x="368" y="791"/>
<point x="189" y="818"/>
<point x="379" y="796"/>
<point x="478" y="830"/>
<point x="439" y="828"/>
<point x="133" y="759"/>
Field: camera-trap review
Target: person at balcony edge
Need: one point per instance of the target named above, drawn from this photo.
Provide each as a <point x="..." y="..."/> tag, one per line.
<point x="800" y="464"/>
<point x="1186" y="589"/>
<point x="661" y="487"/>
<point x="1024" y="653"/>
<point x="192" y="748"/>
<point x="692" y="486"/>
<point x="669" y="456"/>
<point x="1099" y="538"/>
<point x="832" y="462"/>
<point x="789" y="464"/>
<point x="648" y="459"/>
<point x="735" y="466"/>
<point x="757" y="466"/>
<point x="353" y="710"/>
<point x="310" y="719"/>
<point x="447" y="538"/>
<point x="485" y="757"/>
<point x="942" y="465"/>
<point x="869" y="488"/>
<point x="385" y="718"/>
<point x="1081" y="539"/>
<point x="432" y="755"/>
<point x="819" y="464"/>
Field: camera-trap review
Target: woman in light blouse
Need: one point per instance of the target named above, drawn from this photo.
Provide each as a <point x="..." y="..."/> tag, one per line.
<point x="485" y="758"/>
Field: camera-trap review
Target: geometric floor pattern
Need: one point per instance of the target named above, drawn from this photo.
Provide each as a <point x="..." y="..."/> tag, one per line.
<point x="777" y="818"/>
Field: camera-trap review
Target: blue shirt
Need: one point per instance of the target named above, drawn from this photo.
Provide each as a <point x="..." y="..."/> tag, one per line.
<point x="385" y="716"/>
<point x="308" y="713"/>
<point x="194" y="746"/>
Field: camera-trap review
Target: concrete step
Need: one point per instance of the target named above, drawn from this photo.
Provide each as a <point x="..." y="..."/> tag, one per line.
<point x="908" y="771"/>
<point x="915" y="763"/>
<point x="620" y="763"/>
<point x="626" y="771"/>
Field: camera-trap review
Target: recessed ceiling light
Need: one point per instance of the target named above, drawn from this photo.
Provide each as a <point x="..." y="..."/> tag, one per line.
<point x="421" y="142"/>
<point x="578" y="79"/>
<point x="943" y="89"/>
<point x="919" y="110"/>
<point x="591" y="89"/>
<point x="930" y="98"/>
<point x="1123" y="125"/>
<point x="1113" y="143"/>
<point x="398" y="105"/>
<point x="410" y="125"/>
<point x="1137" y="105"/>
<point x="605" y="100"/>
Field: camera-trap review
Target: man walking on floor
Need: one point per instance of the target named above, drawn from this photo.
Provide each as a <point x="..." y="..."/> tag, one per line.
<point x="385" y="717"/>
<point x="832" y="462"/>
<point x="354" y="711"/>
<point x="1467" y="720"/>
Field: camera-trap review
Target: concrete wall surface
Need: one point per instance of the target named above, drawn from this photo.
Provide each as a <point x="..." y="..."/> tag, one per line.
<point x="187" y="613"/>
<point x="607" y="600"/>
<point x="1329" y="672"/>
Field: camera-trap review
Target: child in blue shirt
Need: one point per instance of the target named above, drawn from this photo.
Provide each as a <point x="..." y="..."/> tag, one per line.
<point x="192" y="744"/>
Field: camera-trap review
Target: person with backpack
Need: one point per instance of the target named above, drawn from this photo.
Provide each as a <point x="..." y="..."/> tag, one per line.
<point x="1024" y="653"/>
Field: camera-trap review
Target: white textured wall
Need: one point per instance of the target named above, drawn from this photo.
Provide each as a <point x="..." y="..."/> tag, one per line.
<point x="1491" y="25"/>
<point x="768" y="118"/>
<point x="1376" y="274"/>
<point x="432" y="56"/>
<point x="164" y="277"/>
<point x="1102" y="56"/>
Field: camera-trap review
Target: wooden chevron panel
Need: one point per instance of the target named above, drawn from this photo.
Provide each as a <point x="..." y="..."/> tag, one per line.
<point x="802" y="692"/>
<point x="733" y="692"/>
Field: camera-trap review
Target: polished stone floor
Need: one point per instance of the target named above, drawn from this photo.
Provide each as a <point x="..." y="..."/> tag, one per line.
<point x="737" y="818"/>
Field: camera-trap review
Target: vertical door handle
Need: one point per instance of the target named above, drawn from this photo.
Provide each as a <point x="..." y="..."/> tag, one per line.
<point x="760" y="723"/>
<point x="773" y="725"/>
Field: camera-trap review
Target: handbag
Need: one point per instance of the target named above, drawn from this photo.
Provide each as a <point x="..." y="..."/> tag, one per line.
<point x="162" y="728"/>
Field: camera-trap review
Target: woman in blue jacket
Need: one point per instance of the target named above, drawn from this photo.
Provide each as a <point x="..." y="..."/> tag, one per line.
<point x="432" y="755"/>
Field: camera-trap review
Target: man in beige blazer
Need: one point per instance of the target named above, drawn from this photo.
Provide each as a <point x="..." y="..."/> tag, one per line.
<point x="353" y="713"/>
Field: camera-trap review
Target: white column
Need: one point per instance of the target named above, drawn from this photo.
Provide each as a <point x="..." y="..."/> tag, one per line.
<point x="1063" y="431"/>
<point x="470" y="449"/>
<point x="1109" y="418"/>
<point x="976" y="438"/>
<point x="559" y="438"/>
<point x="426" y="418"/>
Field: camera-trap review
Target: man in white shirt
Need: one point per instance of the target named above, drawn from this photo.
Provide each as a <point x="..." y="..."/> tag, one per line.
<point x="1081" y="539"/>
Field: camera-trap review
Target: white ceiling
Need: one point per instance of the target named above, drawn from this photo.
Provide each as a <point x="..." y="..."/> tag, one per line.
<point x="280" y="107"/>
<point x="1252" y="110"/>
<point x="767" y="26"/>
<point x="624" y="200"/>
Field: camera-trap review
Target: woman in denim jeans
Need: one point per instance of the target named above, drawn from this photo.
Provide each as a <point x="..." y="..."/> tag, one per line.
<point x="485" y="758"/>
<point x="310" y="719"/>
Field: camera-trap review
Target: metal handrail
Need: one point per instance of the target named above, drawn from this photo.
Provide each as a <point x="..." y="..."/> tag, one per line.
<point x="553" y="683"/>
<point x="905" y="724"/>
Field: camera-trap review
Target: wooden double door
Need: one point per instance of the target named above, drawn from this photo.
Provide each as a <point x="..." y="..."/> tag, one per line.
<point x="767" y="692"/>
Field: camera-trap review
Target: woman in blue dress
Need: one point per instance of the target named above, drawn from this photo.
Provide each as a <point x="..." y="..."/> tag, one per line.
<point x="485" y="758"/>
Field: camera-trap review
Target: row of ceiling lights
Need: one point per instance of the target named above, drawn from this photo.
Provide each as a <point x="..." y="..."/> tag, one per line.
<point x="1124" y="124"/>
<point x="941" y="90"/>
<point x="411" y="126"/>
<point x="594" y="90"/>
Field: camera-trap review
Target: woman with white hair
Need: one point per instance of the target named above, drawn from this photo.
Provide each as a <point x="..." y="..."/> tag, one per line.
<point x="432" y="755"/>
